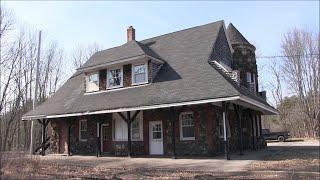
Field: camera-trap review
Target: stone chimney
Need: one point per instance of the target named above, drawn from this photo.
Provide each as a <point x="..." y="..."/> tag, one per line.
<point x="131" y="34"/>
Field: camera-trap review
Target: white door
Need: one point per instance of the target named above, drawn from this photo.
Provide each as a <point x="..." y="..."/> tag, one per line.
<point x="155" y="138"/>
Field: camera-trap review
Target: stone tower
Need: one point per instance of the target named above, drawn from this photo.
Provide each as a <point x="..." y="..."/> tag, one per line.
<point x="244" y="59"/>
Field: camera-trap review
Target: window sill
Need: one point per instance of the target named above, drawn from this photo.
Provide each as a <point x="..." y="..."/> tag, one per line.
<point x="125" y="140"/>
<point x="83" y="140"/>
<point x="114" y="87"/>
<point x="137" y="84"/>
<point x="188" y="139"/>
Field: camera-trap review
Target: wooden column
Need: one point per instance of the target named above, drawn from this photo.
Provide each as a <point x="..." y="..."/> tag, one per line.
<point x="257" y="131"/>
<point x="238" y="110"/>
<point x="69" y="126"/>
<point x="44" y="123"/>
<point x="252" y="130"/>
<point x="225" y="133"/>
<point x="129" y="120"/>
<point x="172" y="118"/>
<point x="129" y="133"/>
<point x="98" y="146"/>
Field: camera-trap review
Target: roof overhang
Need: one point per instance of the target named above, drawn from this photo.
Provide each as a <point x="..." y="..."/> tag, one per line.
<point x="241" y="100"/>
<point x="119" y="61"/>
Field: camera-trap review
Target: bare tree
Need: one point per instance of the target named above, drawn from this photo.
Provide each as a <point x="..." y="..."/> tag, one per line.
<point x="82" y="53"/>
<point x="301" y="69"/>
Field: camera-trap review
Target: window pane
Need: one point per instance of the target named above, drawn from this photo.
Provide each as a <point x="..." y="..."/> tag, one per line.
<point x="156" y="135"/>
<point x="139" y="73"/>
<point x="114" y="77"/>
<point x="135" y="134"/>
<point x="188" y="131"/>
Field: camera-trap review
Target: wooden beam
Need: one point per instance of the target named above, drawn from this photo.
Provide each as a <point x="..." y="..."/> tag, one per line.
<point x="238" y="110"/>
<point x="129" y="133"/>
<point x="98" y="146"/>
<point x="225" y="133"/>
<point x="134" y="116"/>
<point x="43" y="152"/>
<point x="69" y="125"/>
<point x="172" y="118"/>
<point x="252" y="129"/>
<point x="122" y="116"/>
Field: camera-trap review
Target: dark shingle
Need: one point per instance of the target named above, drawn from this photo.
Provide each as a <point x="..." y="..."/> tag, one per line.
<point x="186" y="75"/>
<point x="235" y="36"/>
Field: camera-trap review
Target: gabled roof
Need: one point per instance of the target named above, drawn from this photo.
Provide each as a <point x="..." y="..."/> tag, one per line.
<point x="235" y="36"/>
<point x="187" y="76"/>
<point x="130" y="49"/>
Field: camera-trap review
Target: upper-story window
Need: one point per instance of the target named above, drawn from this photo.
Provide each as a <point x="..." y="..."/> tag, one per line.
<point x="92" y="82"/>
<point x="139" y="74"/>
<point x="114" y="78"/>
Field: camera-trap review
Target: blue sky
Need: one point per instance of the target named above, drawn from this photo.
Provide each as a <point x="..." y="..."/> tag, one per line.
<point x="82" y="22"/>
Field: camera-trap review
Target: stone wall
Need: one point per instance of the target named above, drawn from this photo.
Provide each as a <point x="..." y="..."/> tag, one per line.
<point x="207" y="141"/>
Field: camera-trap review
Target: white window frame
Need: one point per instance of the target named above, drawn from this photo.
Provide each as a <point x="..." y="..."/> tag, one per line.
<point x="180" y="124"/>
<point x="121" y="82"/>
<point x="88" y="82"/>
<point x="80" y="121"/>
<point x="145" y="64"/>
<point x="114" y="119"/>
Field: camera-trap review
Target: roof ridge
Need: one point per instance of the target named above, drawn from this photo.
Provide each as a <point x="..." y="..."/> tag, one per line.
<point x="220" y="21"/>
<point x="140" y="41"/>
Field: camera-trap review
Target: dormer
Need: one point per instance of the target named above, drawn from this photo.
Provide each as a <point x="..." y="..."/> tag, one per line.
<point x="129" y="65"/>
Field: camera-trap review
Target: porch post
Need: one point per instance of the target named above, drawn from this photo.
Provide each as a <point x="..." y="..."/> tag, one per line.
<point x="98" y="139"/>
<point x="129" y="133"/>
<point x="226" y="145"/>
<point x="69" y="124"/>
<point x="238" y="109"/>
<point x="252" y="131"/>
<point x="257" y="132"/>
<point x="260" y="131"/>
<point x="173" y="139"/>
<point x="43" y="144"/>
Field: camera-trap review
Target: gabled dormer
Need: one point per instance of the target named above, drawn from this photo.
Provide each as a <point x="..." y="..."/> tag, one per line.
<point x="130" y="65"/>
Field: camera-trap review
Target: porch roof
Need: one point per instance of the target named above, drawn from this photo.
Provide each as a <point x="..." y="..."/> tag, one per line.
<point x="187" y="77"/>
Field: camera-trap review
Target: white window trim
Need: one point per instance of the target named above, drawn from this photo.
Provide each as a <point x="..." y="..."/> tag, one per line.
<point x="82" y="120"/>
<point x="140" y="126"/>
<point x="132" y="73"/>
<point x="180" y="128"/>
<point x="87" y="81"/>
<point x="107" y="77"/>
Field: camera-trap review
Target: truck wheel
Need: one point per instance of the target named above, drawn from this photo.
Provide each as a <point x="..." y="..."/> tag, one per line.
<point x="281" y="139"/>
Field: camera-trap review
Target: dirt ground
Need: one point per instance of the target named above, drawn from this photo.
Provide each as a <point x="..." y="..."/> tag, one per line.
<point x="288" y="160"/>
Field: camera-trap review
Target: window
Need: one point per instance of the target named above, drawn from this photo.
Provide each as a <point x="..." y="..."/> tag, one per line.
<point x="248" y="77"/>
<point x="92" y="82"/>
<point x="115" y="78"/>
<point x="139" y="74"/>
<point x="83" y="130"/>
<point x="120" y="131"/>
<point x="187" y="126"/>
<point x="156" y="131"/>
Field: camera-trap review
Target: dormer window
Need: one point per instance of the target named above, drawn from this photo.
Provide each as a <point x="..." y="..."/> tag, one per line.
<point x="139" y="74"/>
<point x="114" y="78"/>
<point x="92" y="82"/>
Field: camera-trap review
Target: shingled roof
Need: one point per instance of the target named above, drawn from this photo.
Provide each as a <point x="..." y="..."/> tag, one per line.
<point x="235" y="36"/>
<point x="186" y="76"/>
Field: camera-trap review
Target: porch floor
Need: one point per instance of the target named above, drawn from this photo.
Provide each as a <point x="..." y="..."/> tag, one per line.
<point x="209" y="164"/>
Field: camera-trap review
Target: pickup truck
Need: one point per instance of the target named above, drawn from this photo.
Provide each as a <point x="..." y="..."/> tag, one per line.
<point x="280" y="136"/>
